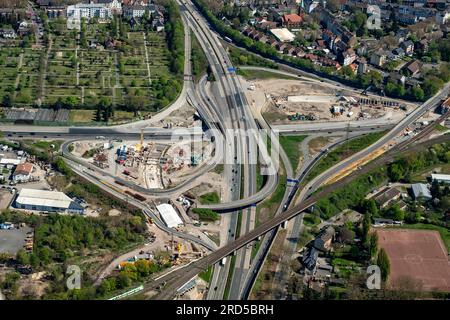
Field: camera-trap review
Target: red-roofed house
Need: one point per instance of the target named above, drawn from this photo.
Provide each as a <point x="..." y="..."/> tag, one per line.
<point x="292" y="21"/>
<point x="23" y="172"/>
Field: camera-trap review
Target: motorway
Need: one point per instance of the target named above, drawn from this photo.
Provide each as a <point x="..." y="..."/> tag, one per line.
<point x="413" y="116"/>
<point x="226" y="110"/>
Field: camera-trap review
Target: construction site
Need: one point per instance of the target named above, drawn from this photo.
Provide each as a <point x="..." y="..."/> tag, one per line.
<point x="149" y="164"/>
<point x="287" y="101"/>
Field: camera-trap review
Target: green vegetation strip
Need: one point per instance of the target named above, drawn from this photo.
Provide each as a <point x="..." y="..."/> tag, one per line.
<point x="291" y="145"/>
<point x="402" y="169"/>
<point x="343" y="151"/>
<point x="226" y="292"/>
<point x="210" y="198"/>
<point x="206" y="214"/>
<point x="207" y="274"/>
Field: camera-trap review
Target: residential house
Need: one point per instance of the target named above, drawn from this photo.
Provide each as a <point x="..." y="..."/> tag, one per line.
<point x="281" y="46"/>
<point x="422" y="46"/>
<point x="114" y="5"/>
<point x="309" y="259"/>
<point x="406" y="18"/>
<point x="289" y="50"/>
<point x="298" y="52"/>
<point x="378" y="58"/>
<point x="402" y="35"/>
<point x="135" y="11"/>
<point x="310" y="5"/>
<point x="347" y="57"/>
<point x="412" y="68"/>
<point x="445" y="106"/>
<point x="362" y="66"/>
<point x="22" y="173"/>
<point x="323" y="241"/>
<point x="397" y="78"/>
<point x="398" y="53"/>
<point x="386" y="197"/>
<point x="420" y="191"/>
<point x="292" y="21"/>
<point x="408" y="47"/>
<point x="442" y="17"/>
<point x="362" y="49"/>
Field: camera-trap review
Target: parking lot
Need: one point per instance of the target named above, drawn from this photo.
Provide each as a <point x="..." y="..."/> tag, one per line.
<point x="13" y="240"/>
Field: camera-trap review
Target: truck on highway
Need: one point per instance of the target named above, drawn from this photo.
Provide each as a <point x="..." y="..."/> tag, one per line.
<point x="228" y="39"/>
<point x="223" y="261"/>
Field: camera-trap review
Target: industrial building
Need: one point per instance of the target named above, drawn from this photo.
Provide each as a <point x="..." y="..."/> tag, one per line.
<point x="169" y="215"/>
<point x="47" y="201"/>
<point x="420" y="191"/>
<point x="441" y="178"/>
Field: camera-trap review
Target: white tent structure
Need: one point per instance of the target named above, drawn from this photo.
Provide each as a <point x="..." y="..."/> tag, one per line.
<point x="169" y="215"/>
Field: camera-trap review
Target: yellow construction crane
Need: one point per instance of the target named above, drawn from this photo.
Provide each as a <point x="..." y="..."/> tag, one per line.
<point x="179" y="249"/>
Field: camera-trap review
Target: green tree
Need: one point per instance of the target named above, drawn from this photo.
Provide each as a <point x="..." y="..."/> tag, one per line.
<point x="435" y="189"/>
<point x="395" y="213"/>
<point x="418" y="93"/>
<point x="22" y="257"/>
<point x="366" y="227"/>
<point x="396" y="172"/>
<point x="384" y="264"/>
<point x="373" y="244"/>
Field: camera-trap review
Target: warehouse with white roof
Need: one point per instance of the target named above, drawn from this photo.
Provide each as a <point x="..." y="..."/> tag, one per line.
<point x="441" y="178"/>
<point x="169" y="215"/>
<point x="46" y="201"/>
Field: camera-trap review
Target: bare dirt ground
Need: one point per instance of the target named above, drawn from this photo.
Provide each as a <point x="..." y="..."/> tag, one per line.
<point x="419" y="255"/>
<point x="209" y="183"/>
<point x="183" y="117"/>
<point x="183" y="161"/>
<point x="5" y="198"/>
<point x="317" y="144"/>
<point x="271" y="97"/>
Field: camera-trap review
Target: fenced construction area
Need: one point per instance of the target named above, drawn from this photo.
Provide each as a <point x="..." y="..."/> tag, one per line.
<point x="79" y="70"/>
<point x="417" y="256"/>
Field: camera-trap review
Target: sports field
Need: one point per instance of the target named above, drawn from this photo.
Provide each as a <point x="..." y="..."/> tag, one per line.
<point x="419" y="255"/>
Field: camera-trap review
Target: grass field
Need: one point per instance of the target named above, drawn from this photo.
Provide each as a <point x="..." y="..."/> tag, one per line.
<point x="266" y="209"/>
<point x="209" y="198"/>
<point x="291" y="145"/>
<point x="207" y="274"/>
<point x="79" y="115"/>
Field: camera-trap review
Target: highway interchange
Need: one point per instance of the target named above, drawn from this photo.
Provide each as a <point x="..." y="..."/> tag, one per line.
<point x="224" y="107"/>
